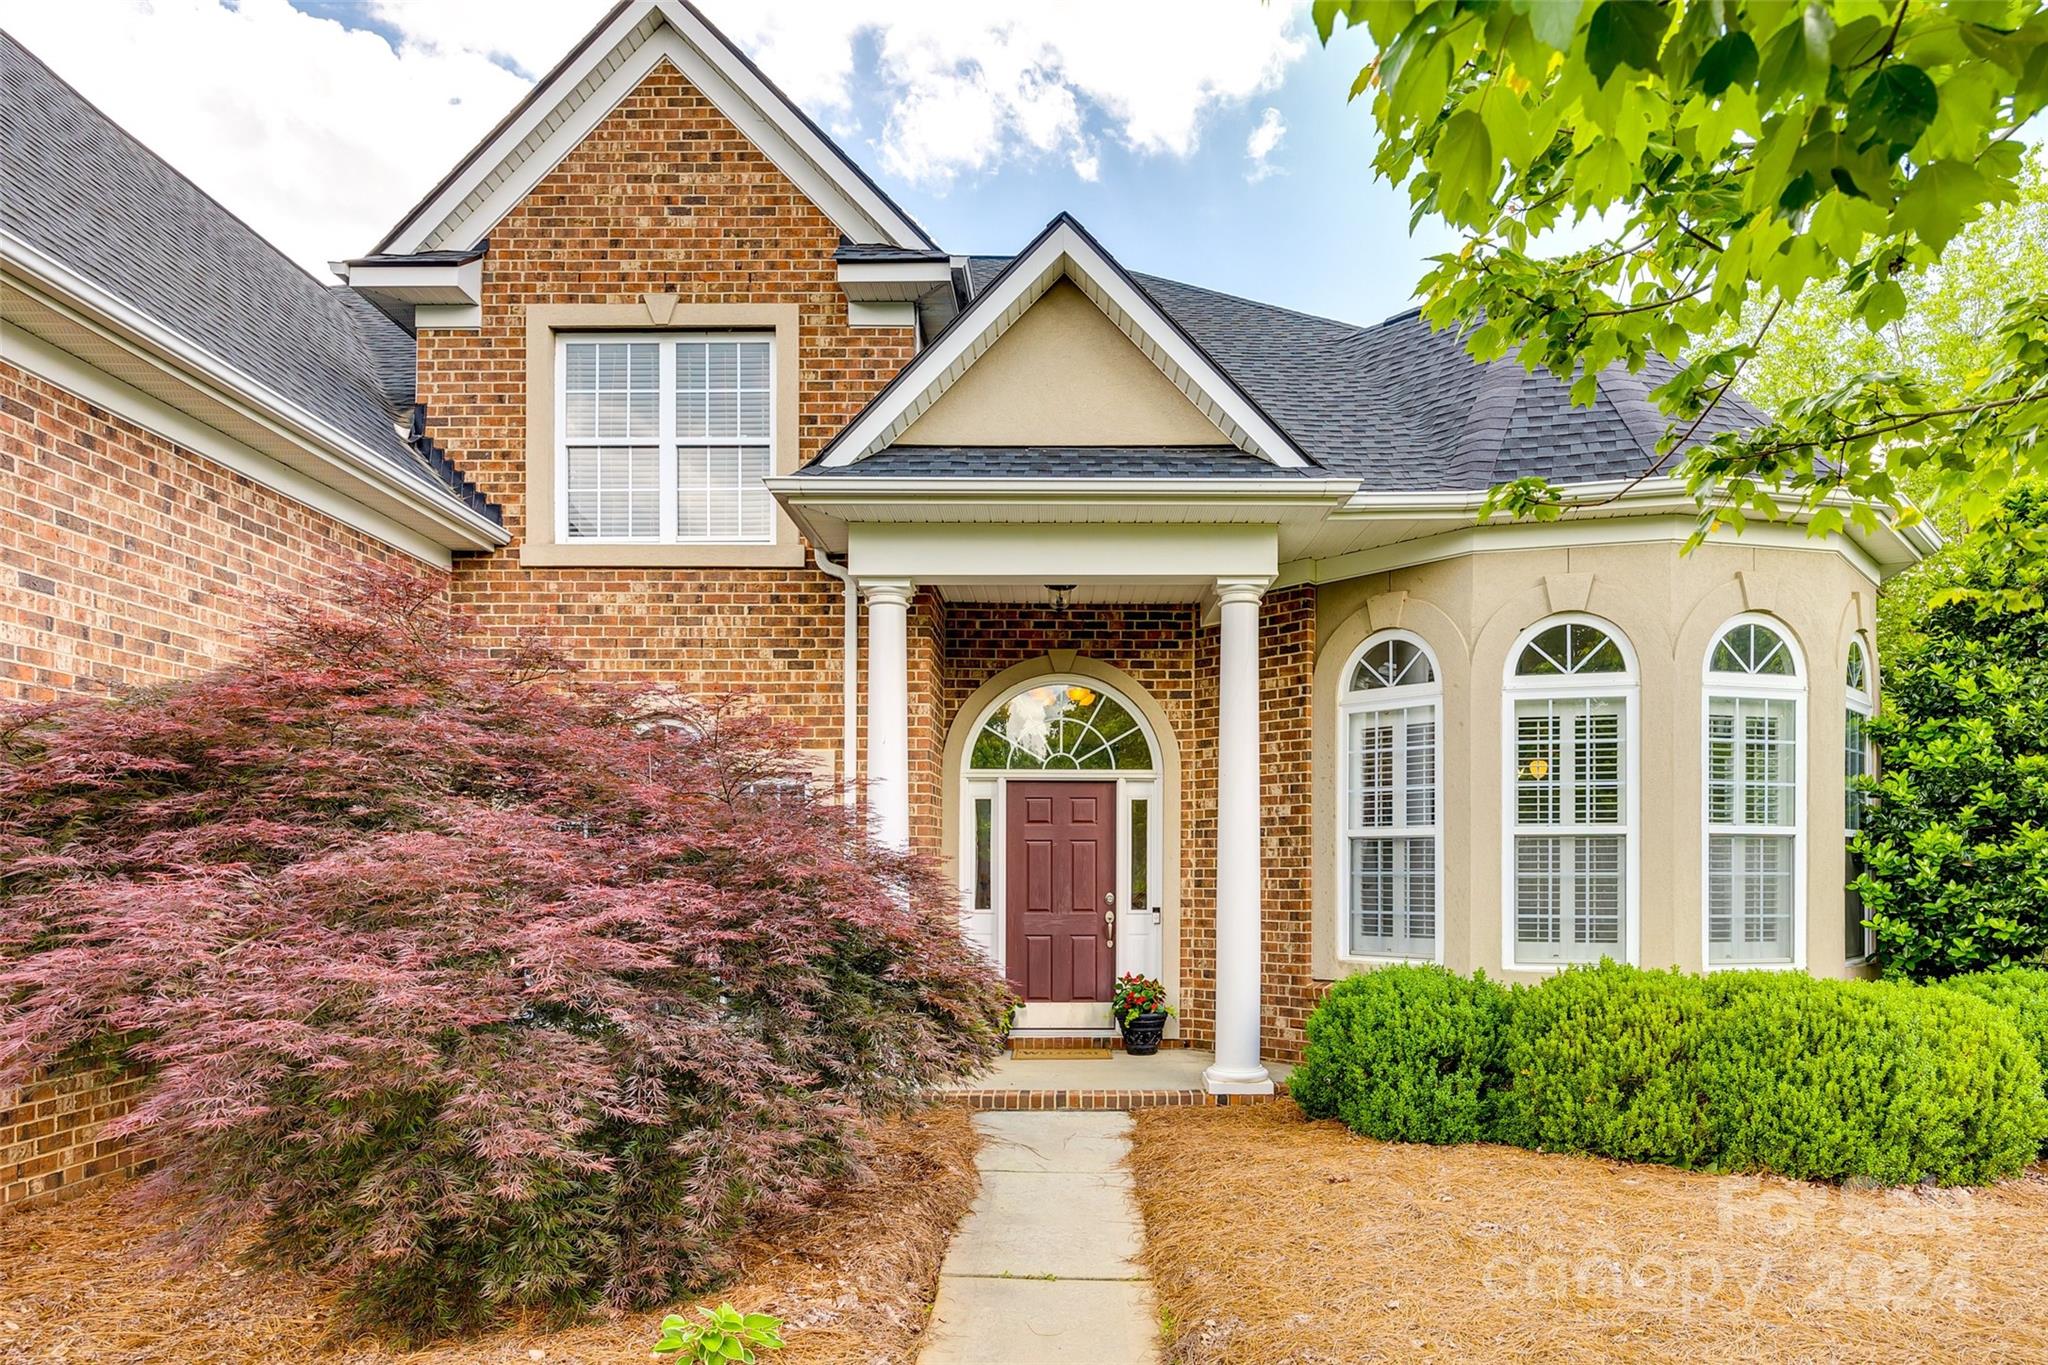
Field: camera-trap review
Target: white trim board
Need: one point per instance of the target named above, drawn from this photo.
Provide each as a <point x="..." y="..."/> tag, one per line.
<point x="1064" y="250"/>
<point x="598" y="75"/>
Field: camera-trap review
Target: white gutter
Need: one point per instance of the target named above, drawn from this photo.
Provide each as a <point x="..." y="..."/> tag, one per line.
<point x="818" y="490"/>
<point x="466" y="527"/>
<point x="850" y="647"/>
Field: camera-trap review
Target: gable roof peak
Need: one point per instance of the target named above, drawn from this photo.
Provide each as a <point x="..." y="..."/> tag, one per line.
<point x="1065" y="249"/>
<point x="596" y="75"/>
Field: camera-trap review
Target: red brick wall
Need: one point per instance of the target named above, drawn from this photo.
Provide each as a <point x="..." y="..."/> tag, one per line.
<point x="130" y="560"/>
<point x="664" y="196"/>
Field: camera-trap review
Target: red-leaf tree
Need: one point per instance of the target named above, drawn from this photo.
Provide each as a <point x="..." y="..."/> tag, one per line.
<point x="475" y="982"/>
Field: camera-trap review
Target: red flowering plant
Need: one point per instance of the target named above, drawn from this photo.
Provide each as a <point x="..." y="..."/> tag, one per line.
<point x="1133" y="995"/>
<point x="477" y="983"/>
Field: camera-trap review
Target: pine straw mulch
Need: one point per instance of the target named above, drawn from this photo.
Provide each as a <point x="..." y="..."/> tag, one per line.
<point x="1271" y="1238"/>
<point x="853" y="1281"/>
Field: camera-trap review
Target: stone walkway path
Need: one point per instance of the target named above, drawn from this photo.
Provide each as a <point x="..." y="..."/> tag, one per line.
<point x="1045" y="1269"/>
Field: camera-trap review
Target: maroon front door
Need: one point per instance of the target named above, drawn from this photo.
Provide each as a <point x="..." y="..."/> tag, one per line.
<point x="1061" y="856"/>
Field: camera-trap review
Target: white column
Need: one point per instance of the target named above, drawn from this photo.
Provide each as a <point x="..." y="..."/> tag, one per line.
<point x="889" y="708"/>
<point x="1237" y="1070"/>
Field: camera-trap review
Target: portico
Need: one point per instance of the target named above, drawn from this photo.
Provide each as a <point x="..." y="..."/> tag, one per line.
<point x="1090" y="755"/>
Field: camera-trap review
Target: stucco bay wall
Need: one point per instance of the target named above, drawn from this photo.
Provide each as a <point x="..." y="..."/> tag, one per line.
<point x="1471" y="609"/>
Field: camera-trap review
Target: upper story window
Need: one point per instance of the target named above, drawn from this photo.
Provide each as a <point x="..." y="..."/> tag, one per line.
<point x="666" y="438"/>
<point x="1859" y="759"/>
<point x="1571" y="794"/>
<point x="1754" y="699"/>
<point x="1392" y="800"/>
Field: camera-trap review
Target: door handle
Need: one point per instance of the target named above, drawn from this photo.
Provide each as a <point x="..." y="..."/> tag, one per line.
<point x="1109" y="926"/>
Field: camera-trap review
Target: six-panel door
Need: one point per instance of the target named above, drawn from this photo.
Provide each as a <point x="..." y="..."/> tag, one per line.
<point x="1060" y="902"/>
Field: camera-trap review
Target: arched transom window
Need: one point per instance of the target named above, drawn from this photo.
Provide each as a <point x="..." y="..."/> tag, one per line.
<point x="1391" y="800"/>
<point x="1062" y="726"/>
<point x="1571" y="803"/>
<point x="1754" y="696"/>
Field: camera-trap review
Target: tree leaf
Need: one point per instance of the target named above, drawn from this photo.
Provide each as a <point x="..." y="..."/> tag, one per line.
<point x="1464" y="162"/>
<point x="1732" y="60"/>
<point x="1897" y="104"/>
<point x="1554" y="22"/>
<point x="1625" y="33"/>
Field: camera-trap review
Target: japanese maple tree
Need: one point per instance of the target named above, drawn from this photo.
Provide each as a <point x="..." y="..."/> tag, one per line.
<point x="473" y="981"/>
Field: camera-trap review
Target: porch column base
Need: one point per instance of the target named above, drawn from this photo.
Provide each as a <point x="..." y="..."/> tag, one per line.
<point x="1218" y="1081"/>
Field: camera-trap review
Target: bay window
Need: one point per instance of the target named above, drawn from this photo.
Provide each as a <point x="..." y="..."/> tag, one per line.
<point x="1858" y="760"/>
<point x="1571" y="798"/>
<point x="1754" y="863"/>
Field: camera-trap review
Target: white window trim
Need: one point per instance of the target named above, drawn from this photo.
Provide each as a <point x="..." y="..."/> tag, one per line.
<point x="1624" y="685"/>
<point x="1862" y="701"/>
<point x="1750" y="686"/>
<point x="1351" y="704"/>
<point x="669" y="445"/>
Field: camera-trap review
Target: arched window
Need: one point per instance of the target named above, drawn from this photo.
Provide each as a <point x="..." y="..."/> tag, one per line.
<point x="1391" y="800"/>
<point x="1571" y="693"/>
<point x="1062" y="726"/>
<point x="1754" y="698"/>
<point x="1858" y="760"/>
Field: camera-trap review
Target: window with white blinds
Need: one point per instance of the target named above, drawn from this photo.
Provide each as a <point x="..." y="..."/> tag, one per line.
<point x="1570" y="796"/>
<point x="1858" y="761"/>
<point x="667" y="439"/>
<point x="1753" y="876"/>
<point x="1391" y="801"/>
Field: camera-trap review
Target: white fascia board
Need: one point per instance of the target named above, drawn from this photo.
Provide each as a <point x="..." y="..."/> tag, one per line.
<point x="822" y="492"/>
<point x="708" y="62"/>
<point x="438" y="283"/>
<point x="878" y="281"/>
<point x="955" y="552"/>
<point x="1892" y="546"/>
<point x="1060" y="251"/>
<point x="94" y="307"/>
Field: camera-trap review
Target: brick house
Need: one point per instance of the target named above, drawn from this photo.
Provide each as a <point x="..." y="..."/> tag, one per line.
<point x="1163" y="617"/>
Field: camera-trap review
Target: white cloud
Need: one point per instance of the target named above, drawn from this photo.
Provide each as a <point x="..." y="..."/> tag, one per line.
<point x="1264" y="141"/>
<point x="321" y="136"/>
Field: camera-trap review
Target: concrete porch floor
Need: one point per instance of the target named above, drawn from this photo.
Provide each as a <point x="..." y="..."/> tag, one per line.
<point x="1171" y="1071"/>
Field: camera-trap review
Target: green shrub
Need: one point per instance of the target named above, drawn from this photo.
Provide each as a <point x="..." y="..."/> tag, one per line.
<point x="2022" y="991"/>
<point x="1602" y="1059"/>
<point x="1406" y="1054"/>
<point x="1867" y="1080"/>
<point x="1955" y="842"/>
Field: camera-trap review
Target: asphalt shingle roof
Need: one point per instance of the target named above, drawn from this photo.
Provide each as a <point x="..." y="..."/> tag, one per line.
<point x="1064" y="462"/>
<point x="81" y="189"/>
<point x="1403" y="407"/>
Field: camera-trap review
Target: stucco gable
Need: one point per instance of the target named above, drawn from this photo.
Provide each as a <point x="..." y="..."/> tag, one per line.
<point x="1062" y="375"/>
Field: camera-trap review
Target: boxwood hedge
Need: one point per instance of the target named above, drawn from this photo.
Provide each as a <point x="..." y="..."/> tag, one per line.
<point x="1405" y="1053"/>
<point x="1772" y="1071"/>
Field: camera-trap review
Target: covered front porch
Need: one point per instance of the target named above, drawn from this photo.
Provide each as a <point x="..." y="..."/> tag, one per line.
<point x="1044" y="695"/>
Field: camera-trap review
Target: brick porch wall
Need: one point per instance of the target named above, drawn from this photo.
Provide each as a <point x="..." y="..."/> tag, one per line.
<point x="1168" y="652"/>
<point x="664" y="196"/>
<point x="130" y="560"/>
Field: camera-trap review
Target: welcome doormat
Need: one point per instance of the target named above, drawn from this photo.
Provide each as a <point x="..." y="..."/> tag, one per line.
<point x="1056" y="1050"/>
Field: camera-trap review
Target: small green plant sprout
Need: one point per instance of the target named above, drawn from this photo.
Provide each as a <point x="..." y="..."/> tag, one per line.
<point x="725" y="1335"/>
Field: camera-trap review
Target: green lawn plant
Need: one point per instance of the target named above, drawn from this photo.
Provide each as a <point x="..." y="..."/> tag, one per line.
<point x="725" y="1335"/>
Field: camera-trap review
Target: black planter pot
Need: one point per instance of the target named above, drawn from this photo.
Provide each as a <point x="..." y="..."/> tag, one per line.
<point x="1143" y="1032"/>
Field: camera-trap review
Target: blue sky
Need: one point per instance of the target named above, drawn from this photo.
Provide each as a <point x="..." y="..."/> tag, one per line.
<point x="321" y="121"/>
